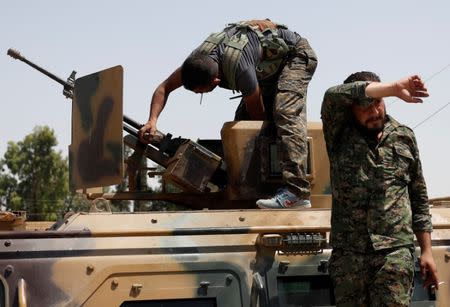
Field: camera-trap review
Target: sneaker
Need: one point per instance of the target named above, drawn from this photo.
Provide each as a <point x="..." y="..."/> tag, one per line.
<point x="283" y="199"/>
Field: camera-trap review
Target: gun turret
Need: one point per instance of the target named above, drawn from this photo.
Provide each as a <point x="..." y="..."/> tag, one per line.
<point x="96" y="150"/>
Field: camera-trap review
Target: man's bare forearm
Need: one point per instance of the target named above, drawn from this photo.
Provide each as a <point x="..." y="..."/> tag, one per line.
<point x="380" y="89"/>
<point x="159" y="99"/>
<point x="161" y="93"/>
<point x="424" y="240"/>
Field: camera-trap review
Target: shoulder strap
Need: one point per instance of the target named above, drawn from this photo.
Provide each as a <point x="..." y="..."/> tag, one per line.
<point x="232" y="52"/>
<point x="231" y="57"/>
<point x="211" y="42"/>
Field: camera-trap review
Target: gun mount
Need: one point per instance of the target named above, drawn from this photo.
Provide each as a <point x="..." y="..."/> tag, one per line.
<point x="178" y="155"/>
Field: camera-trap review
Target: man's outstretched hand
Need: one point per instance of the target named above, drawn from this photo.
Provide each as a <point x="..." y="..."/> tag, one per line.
<point x="411" y="89"/>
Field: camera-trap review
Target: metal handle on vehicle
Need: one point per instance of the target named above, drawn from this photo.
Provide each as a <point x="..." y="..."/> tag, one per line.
<point x="258" y="292"/>
<point x="21" y="293"/>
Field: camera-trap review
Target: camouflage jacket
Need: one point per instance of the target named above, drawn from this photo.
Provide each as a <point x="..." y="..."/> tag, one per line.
<point x="379" y="193"/>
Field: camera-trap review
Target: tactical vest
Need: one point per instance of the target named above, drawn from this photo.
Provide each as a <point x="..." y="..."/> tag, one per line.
<point x="274" y="49"/>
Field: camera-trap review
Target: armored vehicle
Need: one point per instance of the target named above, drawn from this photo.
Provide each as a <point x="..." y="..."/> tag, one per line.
<point x="222" y="251"/>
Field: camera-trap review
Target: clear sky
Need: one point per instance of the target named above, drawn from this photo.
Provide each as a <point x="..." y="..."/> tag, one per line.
<point x="151" y="38"/>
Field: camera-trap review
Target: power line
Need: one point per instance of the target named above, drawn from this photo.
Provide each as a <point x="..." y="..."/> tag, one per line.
<point x="426" y="80"/>
<point x="437" y="73"/>
<point x="438" y="110"/>
<point x="441" y="108"/>
<point x="433" y="114"/>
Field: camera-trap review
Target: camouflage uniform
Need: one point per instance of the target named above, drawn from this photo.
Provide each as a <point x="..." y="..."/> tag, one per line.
<point x="284" y="98"/>
<point x="381" y="278"/>
<point x="379" y="200"/>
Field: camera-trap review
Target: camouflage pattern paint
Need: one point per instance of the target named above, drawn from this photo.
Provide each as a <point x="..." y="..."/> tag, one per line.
<point x="96" y="151"/>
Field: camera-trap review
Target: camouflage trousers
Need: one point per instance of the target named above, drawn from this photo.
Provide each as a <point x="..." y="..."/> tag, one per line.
<point x="381" y="278"/>
<point x="284" y="99"/>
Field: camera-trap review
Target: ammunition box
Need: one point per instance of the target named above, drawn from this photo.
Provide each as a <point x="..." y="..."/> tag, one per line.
<point x="192" y="167"/>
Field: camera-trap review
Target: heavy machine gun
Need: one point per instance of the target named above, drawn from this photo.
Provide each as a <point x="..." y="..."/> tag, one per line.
<point x="188" y="164"/>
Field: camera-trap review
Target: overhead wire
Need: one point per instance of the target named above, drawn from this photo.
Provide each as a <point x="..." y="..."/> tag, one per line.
<point x="441" y="108"/>
<point x="437" y="111"/>
<point x="437" y="73"/>
<point x="433" y="114"/>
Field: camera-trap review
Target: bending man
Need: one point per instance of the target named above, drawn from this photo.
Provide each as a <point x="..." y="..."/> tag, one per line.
<point x="271" y="66"/>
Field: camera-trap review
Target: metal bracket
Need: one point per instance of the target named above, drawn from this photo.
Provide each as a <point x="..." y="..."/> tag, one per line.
<point x="323" y="266"/>
<point x="135" y="289"/>
<point x="68" y="89"/>
<point x="103" y="201"/>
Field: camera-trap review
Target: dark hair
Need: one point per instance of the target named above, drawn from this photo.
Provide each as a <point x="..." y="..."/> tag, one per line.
<point x="362" y="76"/>
<point x="198" y="70"/>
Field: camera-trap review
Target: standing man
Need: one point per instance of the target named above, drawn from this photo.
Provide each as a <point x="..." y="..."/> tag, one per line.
<point x="271" y="66"/>
<point x="379" y="193"/>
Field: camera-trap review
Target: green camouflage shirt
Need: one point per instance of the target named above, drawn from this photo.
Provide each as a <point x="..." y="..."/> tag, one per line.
<point x="379" y="193"/>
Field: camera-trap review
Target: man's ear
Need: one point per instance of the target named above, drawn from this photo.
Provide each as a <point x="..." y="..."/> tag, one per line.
<point x="216" y="81"/>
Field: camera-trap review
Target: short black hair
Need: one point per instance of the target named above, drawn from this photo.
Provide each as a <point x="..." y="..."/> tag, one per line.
<point x="362" y="76"/>
<point x="197" y="70"/>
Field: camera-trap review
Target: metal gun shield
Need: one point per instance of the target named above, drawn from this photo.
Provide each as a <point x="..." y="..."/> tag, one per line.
<point x="96" y="151"/>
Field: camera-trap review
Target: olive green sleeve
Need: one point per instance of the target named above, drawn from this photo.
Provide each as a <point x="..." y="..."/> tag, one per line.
<point x="336" y="109"/>
<point x="421" y="218"/>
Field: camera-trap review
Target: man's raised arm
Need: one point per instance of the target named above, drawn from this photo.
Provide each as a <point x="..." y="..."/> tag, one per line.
<point x="410" y="89"/>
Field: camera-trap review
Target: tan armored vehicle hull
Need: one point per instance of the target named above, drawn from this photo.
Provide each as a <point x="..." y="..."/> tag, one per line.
<point x="220" y="258"/>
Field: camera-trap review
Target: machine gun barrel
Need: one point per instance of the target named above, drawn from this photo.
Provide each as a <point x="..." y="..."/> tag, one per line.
<point x="130" y="130"/>
<point x="68" y="85"/>
<point x="132" y="122"/>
